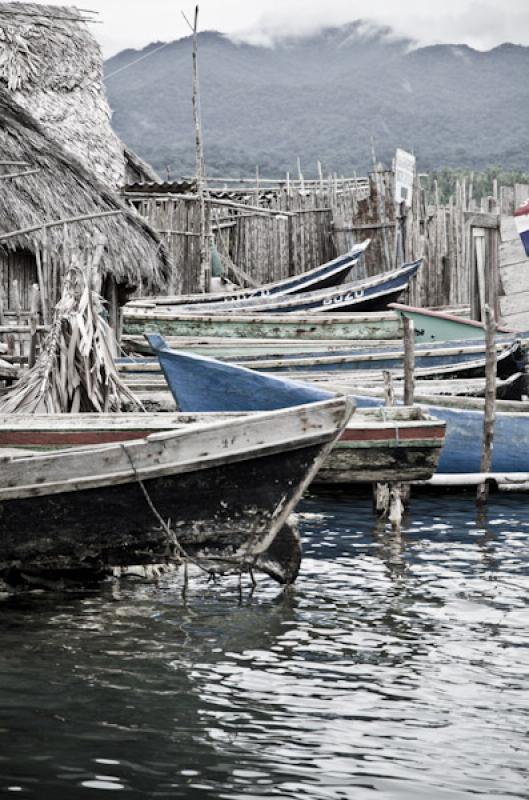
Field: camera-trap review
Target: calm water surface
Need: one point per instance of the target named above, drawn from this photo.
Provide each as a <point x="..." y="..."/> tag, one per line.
<point x="397" y="668"/>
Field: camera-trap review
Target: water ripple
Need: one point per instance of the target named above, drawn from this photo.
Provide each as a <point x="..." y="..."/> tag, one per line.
<point x="397" y="668"/>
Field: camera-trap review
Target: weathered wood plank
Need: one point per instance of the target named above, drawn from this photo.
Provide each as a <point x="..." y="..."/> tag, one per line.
<point x="514" y="304"/>
<point x="271" y="326"/>
<point x="515" y="277"/>
<point x="512" y="252"/>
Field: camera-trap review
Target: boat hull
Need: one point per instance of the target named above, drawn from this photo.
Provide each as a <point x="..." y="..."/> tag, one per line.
<point x="222" y="516"/>
<point x="282" y="326"/>
<point x="226" y="489"/>
<point x="325" y="276"/>
<point x="372" y="294"/>
<point x="461" y="453"/>
<point x="440" y="326"/>
<point x="371" y="449"/>
<point x="374" y="446"/>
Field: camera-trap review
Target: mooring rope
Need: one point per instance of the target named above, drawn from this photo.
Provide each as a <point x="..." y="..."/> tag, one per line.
<point x="172" y="539"/>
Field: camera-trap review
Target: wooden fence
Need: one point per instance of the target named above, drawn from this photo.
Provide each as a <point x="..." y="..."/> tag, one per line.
<point x="304" y="224"/>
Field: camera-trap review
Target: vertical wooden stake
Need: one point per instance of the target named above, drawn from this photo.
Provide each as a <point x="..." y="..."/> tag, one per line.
<point x="42" y="285"/>
<point x="409" y="361"/>
<point x="33" y="323"/>
<point x="205" y="255"/>
<point x="2" y="304"/>
<point x="18" y="314"/>
<point x="490" y="402"/>
<point x="320" y="176"/>
<point x="389" y="393"/>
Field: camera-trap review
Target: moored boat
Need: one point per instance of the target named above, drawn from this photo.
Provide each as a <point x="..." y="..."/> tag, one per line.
<point x="464" y="434"/>
<point x="441" y="326"/>
<point x="377" y="447"/>
<point x="433" y="360"/>
<point x="369" y="294"/>
<point x="373" y="326"/>
<point x="332" y="273"/>
<point x="380" y="444"/>
<point x="227" y="487"/>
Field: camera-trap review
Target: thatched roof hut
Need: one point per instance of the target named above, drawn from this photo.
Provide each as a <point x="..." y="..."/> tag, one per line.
<point x="56" y="121"/>
<point x="53" y="67"/>
<point x="62" y="187"/>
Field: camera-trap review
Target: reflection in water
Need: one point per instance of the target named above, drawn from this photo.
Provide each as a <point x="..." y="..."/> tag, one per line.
<point x="397" y="668"/>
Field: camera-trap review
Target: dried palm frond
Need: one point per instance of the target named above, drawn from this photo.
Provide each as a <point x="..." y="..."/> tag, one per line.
<point x="75" y="371"/>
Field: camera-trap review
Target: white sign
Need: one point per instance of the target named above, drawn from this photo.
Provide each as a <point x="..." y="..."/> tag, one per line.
<point x="404" y="176"/>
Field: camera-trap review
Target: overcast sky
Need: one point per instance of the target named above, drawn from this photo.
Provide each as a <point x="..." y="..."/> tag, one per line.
<point x="479" y="23"/>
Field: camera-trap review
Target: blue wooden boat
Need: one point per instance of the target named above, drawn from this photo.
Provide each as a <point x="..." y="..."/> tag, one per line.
<point x="400" y="444"/>
<point x="199" y="383"/>
<point x="457" y="359"/>
<point x="202" y="384"/>
<point x="332" y="273"/>
<point x="436" y="360"/>
<point x="370" y="294"/>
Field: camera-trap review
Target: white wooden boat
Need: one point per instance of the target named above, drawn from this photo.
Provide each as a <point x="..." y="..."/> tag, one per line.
<point x="226" y="488"/>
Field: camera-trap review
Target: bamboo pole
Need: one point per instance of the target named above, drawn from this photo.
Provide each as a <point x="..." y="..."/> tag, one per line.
<point x="33" y="323"/>
<point x="490" y="403"/>
<point x="19" y="174"/>
<point x="204" y="255"/>
<point x="67" y="221"/>
<point x="409" y="361"/>
<point x="2" y="303"/>
<point x="18" y="313"/>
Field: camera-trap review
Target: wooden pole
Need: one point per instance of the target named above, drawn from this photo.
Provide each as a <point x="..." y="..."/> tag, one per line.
<point x="68" y="220"/>
<point x="33" y="323"/>
<point x="205" y="259"/>
<point x="389" y="392"/>
<point x="490" y="402"/>
<point x="18" y="313"/>
<point x="409" y="361"/>
<point x="2" y="302"/>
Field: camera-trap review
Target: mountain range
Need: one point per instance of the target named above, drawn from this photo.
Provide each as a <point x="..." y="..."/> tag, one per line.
<point x="323" y="97"/>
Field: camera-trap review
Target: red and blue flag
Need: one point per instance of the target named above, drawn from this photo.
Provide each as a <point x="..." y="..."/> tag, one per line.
<point x="521" y="217"/>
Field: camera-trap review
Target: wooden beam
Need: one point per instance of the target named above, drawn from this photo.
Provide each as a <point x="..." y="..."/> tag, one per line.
<point x="482" y="220"/>
<point x="82" y="218"/>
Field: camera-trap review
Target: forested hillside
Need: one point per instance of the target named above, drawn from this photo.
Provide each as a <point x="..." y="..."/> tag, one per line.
<point x="324" y="97"/>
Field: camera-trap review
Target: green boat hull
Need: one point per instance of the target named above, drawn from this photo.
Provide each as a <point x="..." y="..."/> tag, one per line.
<point x="374" y="326"/>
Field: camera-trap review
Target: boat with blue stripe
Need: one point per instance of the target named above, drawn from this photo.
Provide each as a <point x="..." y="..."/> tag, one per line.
<point x="332" y="273"/>
<point x="369" y="294"/>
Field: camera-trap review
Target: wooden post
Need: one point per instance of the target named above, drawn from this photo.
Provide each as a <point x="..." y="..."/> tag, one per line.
<point x="205" y="256"/>
<point x="490" y="403"/>
<point x="18" y="314"/>
<point x="33" y="323"/>
<point x="42" y="283"/>
<point x="2" y="301"/>
<point x="389" y="393"/>
<point x="409" y="361"/>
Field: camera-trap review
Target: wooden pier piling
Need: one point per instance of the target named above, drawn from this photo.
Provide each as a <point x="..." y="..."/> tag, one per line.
<point x="490" y="402"/>
<point x="409" y="360"/>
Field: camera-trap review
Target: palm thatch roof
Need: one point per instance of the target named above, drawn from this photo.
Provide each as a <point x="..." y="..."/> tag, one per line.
<point x="136" y="169"/>
<point x="63" y="188"/>
<point x="53" y="66"/>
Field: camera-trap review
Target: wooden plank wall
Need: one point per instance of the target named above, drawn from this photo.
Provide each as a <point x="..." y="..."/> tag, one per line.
<point x="178" y="222"/>
<point x="17" y="266"/>
<point x="514" y="263"/>
<point x="329" y="215"/>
